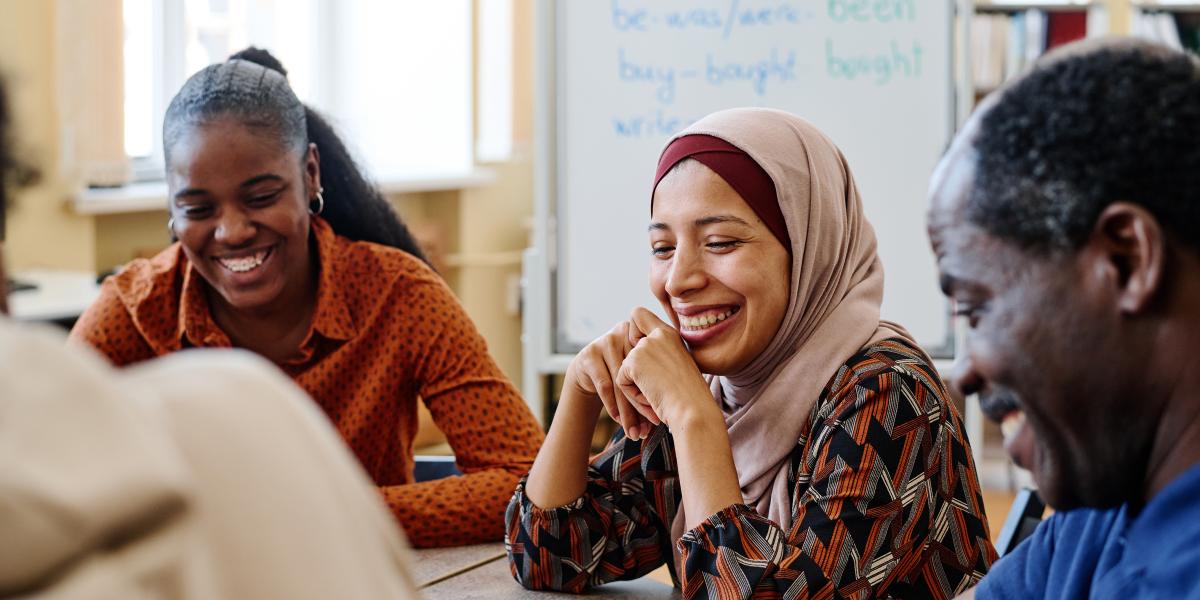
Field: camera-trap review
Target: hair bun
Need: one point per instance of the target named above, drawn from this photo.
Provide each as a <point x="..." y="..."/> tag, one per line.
<point x="261" y="57"/>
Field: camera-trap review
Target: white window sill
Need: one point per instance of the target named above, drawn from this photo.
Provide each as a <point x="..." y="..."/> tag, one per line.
<point x="58" y="295"/>
<point x="152" y="195"/>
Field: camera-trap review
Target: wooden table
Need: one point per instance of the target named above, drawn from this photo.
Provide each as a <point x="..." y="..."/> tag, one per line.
<point x="437" y="564"/>
<point x="481" y="572"/>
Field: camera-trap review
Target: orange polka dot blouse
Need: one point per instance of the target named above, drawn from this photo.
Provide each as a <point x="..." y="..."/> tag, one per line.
<point x="386" y="331"/>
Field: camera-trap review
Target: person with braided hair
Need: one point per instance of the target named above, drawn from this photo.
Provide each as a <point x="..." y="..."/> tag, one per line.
<point x="286" y="250"/>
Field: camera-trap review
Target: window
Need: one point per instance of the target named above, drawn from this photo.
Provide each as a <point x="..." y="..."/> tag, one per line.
<point x="394" y="76"/>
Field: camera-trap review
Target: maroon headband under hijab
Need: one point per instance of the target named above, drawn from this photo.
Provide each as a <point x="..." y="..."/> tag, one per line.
<point x="736" y="167"/>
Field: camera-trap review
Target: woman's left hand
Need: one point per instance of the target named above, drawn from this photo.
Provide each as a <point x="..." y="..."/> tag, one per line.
<point x="659" y="372"/>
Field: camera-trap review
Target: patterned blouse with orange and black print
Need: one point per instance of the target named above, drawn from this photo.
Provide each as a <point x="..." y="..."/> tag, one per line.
<point x="886" y="503"/>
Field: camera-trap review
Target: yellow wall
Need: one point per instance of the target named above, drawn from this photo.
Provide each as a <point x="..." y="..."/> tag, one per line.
<point x="496" y="219"/>
<point x="42" y="231"/>
<point x="492" y="230"/>
<point x="121" y="238"/>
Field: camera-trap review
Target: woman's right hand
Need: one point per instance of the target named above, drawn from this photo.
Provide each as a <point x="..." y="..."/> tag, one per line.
<point x="593" y="373"/>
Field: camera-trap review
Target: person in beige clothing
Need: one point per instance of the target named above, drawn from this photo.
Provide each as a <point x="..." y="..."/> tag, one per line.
<point x="202" y="475"/>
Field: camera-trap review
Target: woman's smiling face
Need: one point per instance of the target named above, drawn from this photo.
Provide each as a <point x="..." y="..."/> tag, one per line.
<point x="240" y="206"/>
<point x="717" y="270"/>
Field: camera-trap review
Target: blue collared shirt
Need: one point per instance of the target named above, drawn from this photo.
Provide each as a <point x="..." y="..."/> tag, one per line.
<point x="1087" y="553"/>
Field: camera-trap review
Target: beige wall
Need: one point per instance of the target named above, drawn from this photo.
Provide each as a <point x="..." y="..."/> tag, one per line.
<point x="496" y="219"/>
<point x="123" y="237"/>
<point x="42" y="231"/>
<point x="492" y="235"/>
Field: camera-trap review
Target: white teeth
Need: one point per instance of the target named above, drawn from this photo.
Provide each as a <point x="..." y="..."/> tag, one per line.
<point x="244" y="263"/>
<point x="1012" y="423"/>
<point x="704" y="321"/>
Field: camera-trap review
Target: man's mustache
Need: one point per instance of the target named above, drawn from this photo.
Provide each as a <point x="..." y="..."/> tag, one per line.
<point x="997" y="403"/>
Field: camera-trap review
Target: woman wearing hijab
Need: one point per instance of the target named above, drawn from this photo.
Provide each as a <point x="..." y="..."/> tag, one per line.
<point x="778" y="438"/>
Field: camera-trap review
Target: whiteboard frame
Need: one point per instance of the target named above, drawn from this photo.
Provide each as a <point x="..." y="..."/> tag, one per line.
<point x="540" y="342"/>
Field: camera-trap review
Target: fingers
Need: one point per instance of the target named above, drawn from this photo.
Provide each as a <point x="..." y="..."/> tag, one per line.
<point x="590" y="374"/>
<point x="637" y="401"/>
<point x="646" y="321"/>
<point x="598" y="378"/>
<point x="597" y="368"/>
<point x="643" y="323"/>
<point x="617" y="405"/>
<point x="614" y="349"/>
<point x="625" y="381"/>
<point x="645" y="410"/>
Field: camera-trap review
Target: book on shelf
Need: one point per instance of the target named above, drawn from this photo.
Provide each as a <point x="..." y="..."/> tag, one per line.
<point x="989" y="37"/>
<point x="1004" y="44"/>
<point x="1160" y="27"/>
<point x="1064" y="27"/>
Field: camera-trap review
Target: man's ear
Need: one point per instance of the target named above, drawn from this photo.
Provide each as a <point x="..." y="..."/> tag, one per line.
<point x="1128" y="249"/>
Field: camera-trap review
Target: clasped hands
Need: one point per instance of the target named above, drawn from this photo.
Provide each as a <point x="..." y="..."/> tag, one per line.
<point x="642" y="373"/>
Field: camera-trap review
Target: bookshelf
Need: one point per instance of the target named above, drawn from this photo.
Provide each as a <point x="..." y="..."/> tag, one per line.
<point x="1006" y="37"/>
<point x="983" y="6"/>
<point x="1166" y="6"/>
<point x="1176" y="24"/>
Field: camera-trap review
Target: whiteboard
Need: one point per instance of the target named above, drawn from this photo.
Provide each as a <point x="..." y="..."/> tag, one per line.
<point x="875" y="75"/>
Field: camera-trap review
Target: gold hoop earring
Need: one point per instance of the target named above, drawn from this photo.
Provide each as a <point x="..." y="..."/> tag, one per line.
<point x="320" y="200"/>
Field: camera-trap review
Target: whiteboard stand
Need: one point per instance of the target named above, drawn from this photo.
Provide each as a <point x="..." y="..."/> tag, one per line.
<point x="537" y="266"/>
<point x="539" y="361"/>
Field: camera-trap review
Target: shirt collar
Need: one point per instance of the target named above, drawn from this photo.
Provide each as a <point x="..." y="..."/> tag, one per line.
<point x="196" y="325"/>
<point x="331" y="318"/>
<point x="1151" y="532"/>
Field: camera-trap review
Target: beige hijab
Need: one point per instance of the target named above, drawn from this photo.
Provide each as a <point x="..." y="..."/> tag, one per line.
<point x="836" y="288"/>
